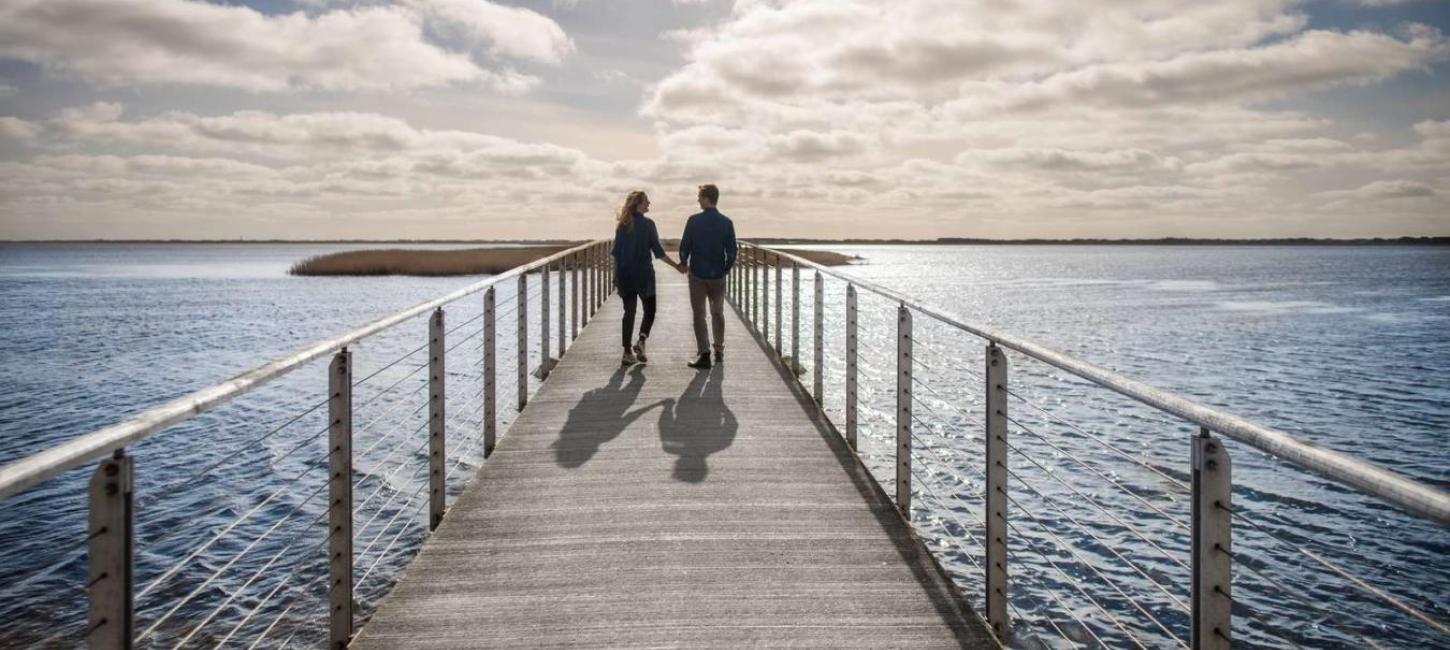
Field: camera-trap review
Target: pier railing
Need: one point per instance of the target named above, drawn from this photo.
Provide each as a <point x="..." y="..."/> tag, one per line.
<point x="291" y="532"/>
<point x="1087" y="508"/>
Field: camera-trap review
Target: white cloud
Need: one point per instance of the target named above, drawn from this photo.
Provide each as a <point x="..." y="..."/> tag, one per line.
<point x="371" y="48"/>
<point x="1392" y="189"/>
<point x="502" y="31"/>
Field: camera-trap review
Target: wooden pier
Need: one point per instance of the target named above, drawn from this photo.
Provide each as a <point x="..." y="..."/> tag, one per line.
<point x="659" y="506"/>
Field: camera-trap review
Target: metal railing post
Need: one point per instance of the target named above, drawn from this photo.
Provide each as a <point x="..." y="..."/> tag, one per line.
<point x="339" y="515"/>
<point x="795" y="316"/>
<point x="903" y="411"/>
<point x="436" y="403"/>
<point x="546" y="361"/>
<point x="523" y="341"/>
<point x="110" y="553"/>
<point x="750" y="286"/>
<point x="851" y="422"/>
<point x="588" y="284"/>
<point x="1212" y="537"/>
<point x="765" y="298"/>
<point x="563" y="309"/>
<point x="574" y="296"/>
<point x="779" y="275"/>
<point x="490" y="374"/>
<point x="818" y="390"/>
<point x="996" y="401"/>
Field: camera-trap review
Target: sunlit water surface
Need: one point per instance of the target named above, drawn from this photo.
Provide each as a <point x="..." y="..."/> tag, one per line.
<point x="1342" y="346"/>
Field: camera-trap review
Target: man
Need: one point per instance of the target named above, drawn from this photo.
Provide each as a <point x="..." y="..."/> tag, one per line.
<point x="707" y="249"/>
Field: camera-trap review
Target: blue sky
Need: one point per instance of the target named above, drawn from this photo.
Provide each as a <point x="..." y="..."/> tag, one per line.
<point x="864" y="118"/>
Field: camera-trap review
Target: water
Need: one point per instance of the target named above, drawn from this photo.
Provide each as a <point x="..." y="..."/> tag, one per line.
<point x="1342" y="346"/>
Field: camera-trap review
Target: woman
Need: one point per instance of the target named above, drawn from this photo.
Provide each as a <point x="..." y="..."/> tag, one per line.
<point x="635" y="240"/>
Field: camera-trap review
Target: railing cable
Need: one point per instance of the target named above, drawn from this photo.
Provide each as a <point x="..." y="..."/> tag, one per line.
<point x="1068" y="547"/>
<point x="1089" y="500"/>
<point x="1170" y="518"/>
<point x="234" y="559"/>
<point x="1068" y="578"/>
<point x="1181" y="485"/>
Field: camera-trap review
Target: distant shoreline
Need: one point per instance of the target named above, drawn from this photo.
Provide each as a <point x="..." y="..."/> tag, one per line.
<point x="947" y="241"/>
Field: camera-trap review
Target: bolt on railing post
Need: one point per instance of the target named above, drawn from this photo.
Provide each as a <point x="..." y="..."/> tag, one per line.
<point x="490" y="374"/>
<point x="779" y="311"/>
<point x="819" y="387"/>
<point x="436" y="403"/>
<point x="339" y="516"/>
<point x="545" y="360"/>
<point x="563" y="305"/>
<point x="851" y="422"/>
<point x="110" y="553"/>
<point x="574" y="296"/>
<point x="795" y="316"/>
<point x="903" y="410"/>
<point x="1212" y="547"/>
<point x="996" y="513"/>
<point x="523" y="355"/>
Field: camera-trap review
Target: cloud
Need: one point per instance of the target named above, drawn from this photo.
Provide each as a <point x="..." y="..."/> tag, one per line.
<point x="369" y="48"/>
<point x="502" y="31"/>
<point x="1392" y="189"/>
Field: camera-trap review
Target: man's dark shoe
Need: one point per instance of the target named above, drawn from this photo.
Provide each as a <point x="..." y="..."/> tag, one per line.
<point x="719" y="356"/>
<point x="700" y="363"/>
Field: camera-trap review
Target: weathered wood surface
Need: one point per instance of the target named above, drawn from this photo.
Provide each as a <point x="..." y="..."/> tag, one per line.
<point x="663" y="506"/>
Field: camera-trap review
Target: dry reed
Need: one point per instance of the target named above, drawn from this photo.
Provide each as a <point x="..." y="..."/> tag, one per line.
<point x="470" y="261"/>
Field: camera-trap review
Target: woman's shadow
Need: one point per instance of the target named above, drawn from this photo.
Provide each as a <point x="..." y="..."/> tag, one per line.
<point x="697" y="424"/>
<point x="600" y="416"/>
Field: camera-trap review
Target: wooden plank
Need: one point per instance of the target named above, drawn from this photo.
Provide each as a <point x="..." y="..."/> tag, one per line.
<point x="663" y="506"/>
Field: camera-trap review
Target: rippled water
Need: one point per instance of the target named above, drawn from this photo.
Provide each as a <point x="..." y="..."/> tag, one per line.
<point x="1342" y="346"/>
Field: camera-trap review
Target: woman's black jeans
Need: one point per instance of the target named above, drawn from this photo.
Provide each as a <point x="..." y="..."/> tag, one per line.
<point x="649" y="316"/>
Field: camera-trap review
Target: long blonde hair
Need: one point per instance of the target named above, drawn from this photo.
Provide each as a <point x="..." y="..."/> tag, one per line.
<point x="625" y="218"/>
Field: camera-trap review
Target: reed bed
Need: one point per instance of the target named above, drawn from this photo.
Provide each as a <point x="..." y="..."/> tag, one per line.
<point x="468" y="261"/>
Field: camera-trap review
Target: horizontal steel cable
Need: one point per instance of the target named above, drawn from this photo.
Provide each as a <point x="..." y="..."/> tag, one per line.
<point x="1170" y="518"/>
<point x="1181" y="485"/>
<point x="966" y="530"/>
<point x="383" y="438"/>
<point x="1020" y="617"/>
<point x="1080" y="560"/>
<point x="297" y="566"/>
<point x="1404" y="607"/>
<point x="65" y="555"/>
<point x="1068" y="610"/>
<point x="245" y="516"/>
<point x="937" y="353"/>
<point x="398" y="467"/>
<point x="305" y="441"/>
<point x="257" y="574"/>
<point x="268" y="630"/>
<point x="388" y="526"/>
<point x="946" y="402"/>
<point x="357" y="408"/>
<point x="228" y="456"/>
<point x="390" y="364"/>
<point x="1052" y="502"/>
<point x="387" y="480"/>
<point x="1096" y="605"/>
<point x="234" y="559"/>
<point x="1089" y="500"/>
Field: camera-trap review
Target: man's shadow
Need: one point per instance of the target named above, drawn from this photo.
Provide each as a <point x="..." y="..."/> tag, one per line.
<point x="697" y="424"/>
<point x="600" y="416"/>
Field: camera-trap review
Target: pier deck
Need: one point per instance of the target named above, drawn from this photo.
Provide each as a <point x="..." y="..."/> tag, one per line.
<point x="663" y="506"/>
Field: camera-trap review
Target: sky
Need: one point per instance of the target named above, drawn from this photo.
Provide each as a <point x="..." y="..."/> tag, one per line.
<point x="514" y="119"/>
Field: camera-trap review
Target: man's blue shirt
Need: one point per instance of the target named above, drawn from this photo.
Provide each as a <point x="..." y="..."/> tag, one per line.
<point x="708" y="245"/>
<point x="634" y="271"/>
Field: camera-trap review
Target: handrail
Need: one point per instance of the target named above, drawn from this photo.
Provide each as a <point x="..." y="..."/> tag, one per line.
<point x="1416" y="497"/>
<point x="24" y="473"/>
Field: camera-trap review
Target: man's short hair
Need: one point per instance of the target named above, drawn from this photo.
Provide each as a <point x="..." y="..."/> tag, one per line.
<point x="710" y="192"/>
